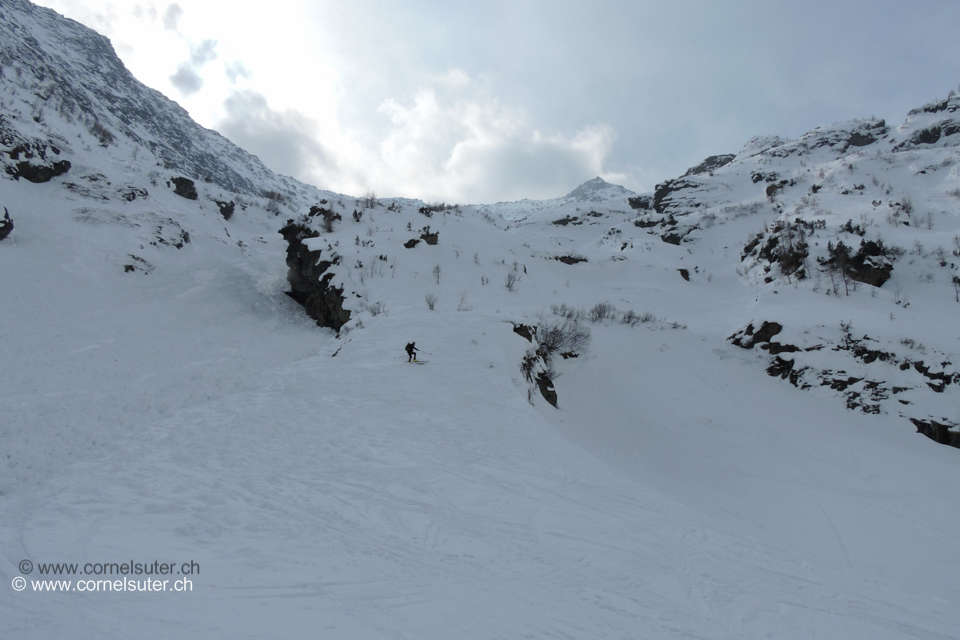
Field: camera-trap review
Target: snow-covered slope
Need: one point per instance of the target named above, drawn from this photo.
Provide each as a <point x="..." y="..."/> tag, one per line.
<point x="163" y="399"/>
<point x="591" y="192"/>
<point x="834" y="257"/>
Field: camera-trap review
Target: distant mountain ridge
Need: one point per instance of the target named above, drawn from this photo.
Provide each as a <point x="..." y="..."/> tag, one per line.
<point x="598" y="190"/>
<point x="595" y="190"/>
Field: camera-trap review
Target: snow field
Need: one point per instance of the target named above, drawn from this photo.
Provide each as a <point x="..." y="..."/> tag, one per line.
<point x="678" y="492"/>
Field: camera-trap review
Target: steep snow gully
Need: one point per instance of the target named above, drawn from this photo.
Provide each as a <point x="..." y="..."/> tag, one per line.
<point x="733" y="451"/>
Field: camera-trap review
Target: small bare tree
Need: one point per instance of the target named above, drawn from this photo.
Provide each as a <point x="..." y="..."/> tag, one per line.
<point x="375" y="309"/>
<point x="559" y="337"/>
<point x="436" y="273"/>
<point x="907" y="205"/>
<point x="511" y="281"/>
<point x="629" y="317"/>
<point x="602" y="311"/>
<point x="327" y="216"/>
<point x="431" y="301"/>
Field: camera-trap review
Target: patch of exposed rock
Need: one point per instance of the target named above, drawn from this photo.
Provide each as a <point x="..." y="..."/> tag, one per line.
<point x="39" y="173"/>
<point x="710" y="164"/>
<point x="866" y="389"/>
<point x="310" y="278"/>
<point x="226" y="208"/>
<point x="184" y="187"/>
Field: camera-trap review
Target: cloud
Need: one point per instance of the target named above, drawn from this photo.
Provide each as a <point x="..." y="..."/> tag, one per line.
<point x="237" y="70"/>
<point x="149" y="13"/>
<point x="172" y="16"/>
<point x="446" y="146"/>
<point x="284" y="141"/>
<point x="204" y="53"/>
<point x="450" y="142"/>
<point x="528" y="164"/>
<point x="186" y="79"/>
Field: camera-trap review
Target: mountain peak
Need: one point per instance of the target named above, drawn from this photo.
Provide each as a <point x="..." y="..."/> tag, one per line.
<point x="598" y="190"/>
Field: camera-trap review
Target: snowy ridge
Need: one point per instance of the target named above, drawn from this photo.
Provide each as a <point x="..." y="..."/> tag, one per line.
<point x="596" y="190"/>
<point x="730" y="454"/>
<point x="58" y="73"/>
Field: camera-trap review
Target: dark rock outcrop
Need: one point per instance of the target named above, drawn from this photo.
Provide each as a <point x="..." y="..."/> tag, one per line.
<point x="138" y="265"/>
<point x="646" y="222"/>
<point x="661" y="197"/>
<point x="872" y="263"/>
<point x="410" y="244"/>
<point x="570" y="259"/>
<point x="525" y="331"/>
<point x="309" y="278"/>
<point x="760" y="176"/>
<point x="937" y="431"/>
<point x="431" y="238"/>
<point x="678" y="234"/>
<point x="672" y="238"/>
<point x="774" y="348"/>
<point x="860" y="139"/>
<point x="785" y="244"/>
<point x="226" y="208"/>
<point x="873" y="273"/>
<point x="867" y="134"/>
<point x="545" y="384"/>
<point x="641" y="202"/>
<point x="710" y="164"/>
<point x="749" y="337"/>
<point x="767" y="331"/>
<point x="184" y="187"/>
<point x="130" y="194"/>
<point x="6" y="225"/>
<point x="842" y="136"/>
<point x="928" y="132"/>
<point x="39" y="173"/>
<point x="31" y="156"/>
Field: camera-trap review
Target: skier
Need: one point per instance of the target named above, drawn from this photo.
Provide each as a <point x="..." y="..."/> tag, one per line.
<point x="6" y="224"/>
<point x="411" y="350"/>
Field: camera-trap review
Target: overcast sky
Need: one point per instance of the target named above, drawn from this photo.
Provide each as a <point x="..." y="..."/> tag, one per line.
<point x="501" y="100"/>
